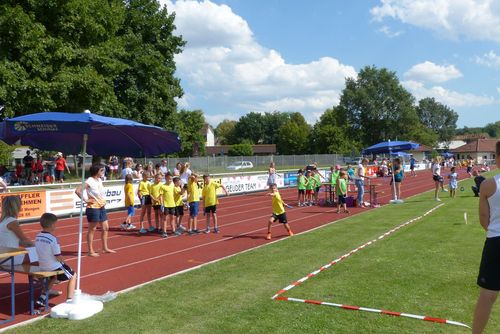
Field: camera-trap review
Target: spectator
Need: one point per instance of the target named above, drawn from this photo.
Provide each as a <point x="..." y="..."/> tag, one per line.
<point x="113" y="166"/>
<point x="478" y="179"/>
<point x="28" y="166"/>
<point x="61" y="165"/>
<point x="185" y="173"/>
<point x="3" y="185"/>
<point x="271" y="178"/>
<point x="164" y="167"/>
<point x="359" y="179"/>
<point x="177" y="169"/>
<point x="138" y="171"/>
<point x="51" y="168"/>
<point x="38" y="169"/>
<point x="149" y="170"/>
<point x="127" y="170"/>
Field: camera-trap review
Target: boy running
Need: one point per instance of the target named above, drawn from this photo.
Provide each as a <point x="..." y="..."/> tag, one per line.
<point x="49" y="257"/>
<point x="210" y="201"/>
<point x="278" y="211"/>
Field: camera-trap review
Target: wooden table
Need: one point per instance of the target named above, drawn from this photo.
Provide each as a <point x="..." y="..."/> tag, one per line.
<point x="7" y="255"/>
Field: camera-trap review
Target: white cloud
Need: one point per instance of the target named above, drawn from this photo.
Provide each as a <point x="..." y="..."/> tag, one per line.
<point x="471" y="19"/>
<point x="223" y="62"/>
<point x="448" y="97"/>
<point x="430" y="72"/>
<point x="498" y="90"/>
<point x="215" y="119"/>
<point x="389" y="33"/>
<point x="490" y="59"/>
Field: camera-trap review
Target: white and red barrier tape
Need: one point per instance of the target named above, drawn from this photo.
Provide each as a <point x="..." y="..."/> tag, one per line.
<point x="278" y="296"/>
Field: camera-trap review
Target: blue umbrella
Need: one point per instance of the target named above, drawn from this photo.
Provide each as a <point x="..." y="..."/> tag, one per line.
<point x="87" y="133"/>
<point x="58" y="131"/>
<point x="401" y="154"/>
<point x="390" y="146"/>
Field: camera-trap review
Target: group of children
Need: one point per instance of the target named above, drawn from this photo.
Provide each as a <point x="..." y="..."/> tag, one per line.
<point x="309" y="186"/>
<point x="168" y="201"/>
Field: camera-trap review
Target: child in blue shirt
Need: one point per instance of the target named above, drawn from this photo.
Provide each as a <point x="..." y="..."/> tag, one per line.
<point x="453" y="182"/>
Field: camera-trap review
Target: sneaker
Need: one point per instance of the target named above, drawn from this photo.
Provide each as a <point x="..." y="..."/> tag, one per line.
<point x="123" y="226"/>
<point x="55" y="293"/>
<point x="290" y="233"/>
<point x="191" y="232"/>
<point x="268" y="237"/>
<point x="130" y="227"/>
<point x="182" y="228"/>
<point x="207" y="230"/>
<point x="177" y="233"/>
<point x="196" y="231"/>
<point x="438" y="200"/>
<point x="143" y="231"/>
<point x="216" y="230"/>
<point x="151" y="229"/>
<point x="164" y="235"/>
<point x="40" y="301"/>
<point x="445" y="190"/>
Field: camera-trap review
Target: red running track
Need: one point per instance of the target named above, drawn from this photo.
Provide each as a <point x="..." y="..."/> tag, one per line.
<point x="144" y="258"/>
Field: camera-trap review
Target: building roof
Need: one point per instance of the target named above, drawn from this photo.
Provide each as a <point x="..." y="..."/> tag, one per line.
<point x="423" y="148"/>
<point x="480" y="145"/>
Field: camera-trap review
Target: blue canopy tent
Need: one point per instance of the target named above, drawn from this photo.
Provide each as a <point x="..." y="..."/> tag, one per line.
<point x="447" y="155"/>
<point x="401" y="154"/>
<point x="86" y="133"/>
<point x="390" y="147"/>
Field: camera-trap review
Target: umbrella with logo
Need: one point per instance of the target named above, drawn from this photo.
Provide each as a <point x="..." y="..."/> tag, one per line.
<point x="87" y="133"/>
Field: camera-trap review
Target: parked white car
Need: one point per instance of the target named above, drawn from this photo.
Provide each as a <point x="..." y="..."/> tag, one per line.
<point x="237" y="165"/>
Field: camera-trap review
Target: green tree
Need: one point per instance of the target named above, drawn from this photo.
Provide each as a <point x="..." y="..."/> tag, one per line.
<point x="250" y="127"/>
<point x="493" y="129"/>
<point x="331" y="134"/>
<point x="113" y="57"/>
<point x="225" y="132"/>
<point x="438" y="118"/>
<point x="244" y="149"/>
<point x="272" y="121"/>
<point x="5" y="153"/>
<point x="189" y="127"/>
<point x="376" y="107"/>
<point x="293" y="135"/>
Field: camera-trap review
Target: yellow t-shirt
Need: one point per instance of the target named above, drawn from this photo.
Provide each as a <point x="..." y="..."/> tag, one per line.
<point x="193" y="191"/>
<point x="144" y="187"/>
<point x="167" y="191"/>
<point x="155" y="192"/>
<point x="129" y="194"/>
<point x="278" y="208"/>
<point x="178" y="196"/>
<point x="209" y="193"/>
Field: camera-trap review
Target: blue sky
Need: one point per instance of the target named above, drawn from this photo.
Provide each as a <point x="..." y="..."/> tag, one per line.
<point x="266" y="55"/>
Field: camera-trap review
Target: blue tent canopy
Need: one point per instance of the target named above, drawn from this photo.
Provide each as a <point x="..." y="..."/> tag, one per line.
<point x="401" y="154"/>
<point x="58" y="131"/>
<point x="390" y="146"/>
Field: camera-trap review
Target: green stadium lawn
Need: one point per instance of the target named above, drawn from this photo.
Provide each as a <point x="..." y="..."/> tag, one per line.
<point x="427" y="268"/>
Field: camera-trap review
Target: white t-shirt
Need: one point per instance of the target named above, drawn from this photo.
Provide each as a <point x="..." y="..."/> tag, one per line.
<point x="9" y="238"/>
<point x="436" y="169"/>
<point x="494" y="201"/>
<point x="95" y="189"/>
<point x="164" y="169"/>
<point x="185" y="176"/>
<point x="47" y="248"/>
<point x="360" y="171"/>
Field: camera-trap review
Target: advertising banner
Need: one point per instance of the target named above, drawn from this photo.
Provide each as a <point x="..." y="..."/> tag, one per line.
<point x="33" y="203"/>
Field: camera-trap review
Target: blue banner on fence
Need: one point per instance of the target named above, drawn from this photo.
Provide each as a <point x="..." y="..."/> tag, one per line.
<point x="290" y="179"/>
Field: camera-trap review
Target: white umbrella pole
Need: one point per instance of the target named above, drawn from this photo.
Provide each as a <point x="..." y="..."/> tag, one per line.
<point x="80" y="228"/>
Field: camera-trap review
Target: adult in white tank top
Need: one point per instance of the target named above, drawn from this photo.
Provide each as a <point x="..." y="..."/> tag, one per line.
<point x="489" y="269"/>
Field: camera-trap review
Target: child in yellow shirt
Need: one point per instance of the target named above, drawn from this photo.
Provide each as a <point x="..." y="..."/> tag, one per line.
<point x="179" y="205"/>
<point x="129" y="203"/>
<point x="210" y="201"/>
<point x="143" y="194"/>
<point x="155" y="193"/>
<point x="194" y="203"/>
<point x="167" y="198"/>
<point x="278" y="211"/>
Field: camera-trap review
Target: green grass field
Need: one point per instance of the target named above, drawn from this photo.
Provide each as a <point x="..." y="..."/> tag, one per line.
<point x="428" y="268"/>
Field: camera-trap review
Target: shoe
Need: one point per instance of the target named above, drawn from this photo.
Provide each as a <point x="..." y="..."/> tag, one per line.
<point x="123" y="226"/>
<point x="190" y="232"/>
<point x="55" y="293"/>
<point x="143" y="231"/>
<point x="40" y="301"/>
<point x="130" y="227"/>
<point x="151" y="229"/>
<point x="177" y="233"/>
<point x="159" y="231"/>
<point x="182" y="228"/>
<point x="196" y="231"/>
<point x="310" y="204"/>
<point x="290" y="233"/>
<point x="338" y="211"/>
<point x="445" y="190"/>
<point x="216" y="230"/>
<point x="164" y="235"/>
<point x="346" y="211"/>
<point x="207" y="230"/>
<point x="268" y="237"/>
<point x="438" y="200"/>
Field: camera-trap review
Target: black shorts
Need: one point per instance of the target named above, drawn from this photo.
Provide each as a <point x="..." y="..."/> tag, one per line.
<point x="169" y="211"/>
<point x="469" y="169"/>
<point x="179" y="210"/>
<point x="412" y="167"/>
<point x="95" y="215"/>
<point x="302" y="191"/>
<point x="316" y="190"/>
<point x="146" y="200"/>
<point x="282" y="218"/>
<point x="212" y="208"/>
<point x="341" y="199"/>
<point x="68" y="273"/>
<point x="437" y="178"/>
<point x="489" y="269"/>
<point x="157" y="207"/>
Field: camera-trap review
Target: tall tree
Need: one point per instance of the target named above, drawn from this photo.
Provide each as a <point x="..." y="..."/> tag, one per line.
<point x="225" y="132"/>
<point x="113" y="57"/>
<point x="190" y="127"/>
<point x="376" y="107"/>
<point x="272" y="121"/>
<point x="250" y="127"/>
<point x="437" y="117"/>
<point x="293" y="135"/>
<point x="331" y="134"/>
